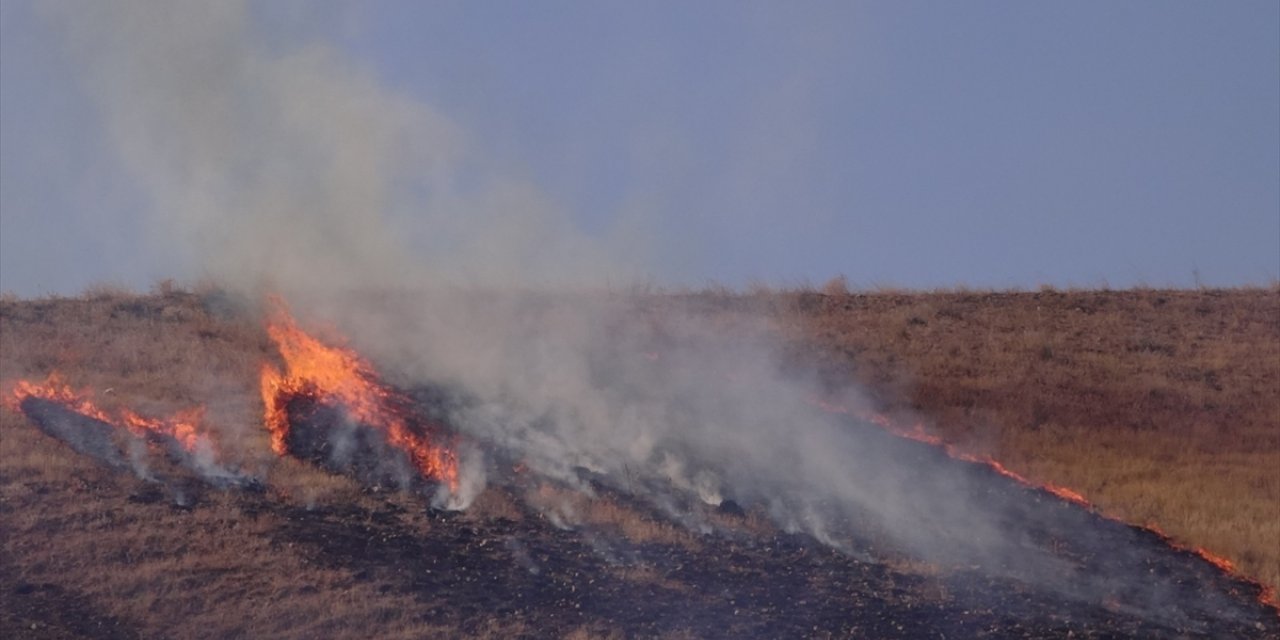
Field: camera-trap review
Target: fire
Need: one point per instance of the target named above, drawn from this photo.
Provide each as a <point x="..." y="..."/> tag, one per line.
<point x="339" y="376"/>
<point x="1216" y="560"/>
<point x="55" y="389"/>
<point x="183" y="428"/>
<point x="917" y="432"/>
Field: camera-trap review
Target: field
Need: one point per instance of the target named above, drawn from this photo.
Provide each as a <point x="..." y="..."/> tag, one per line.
<point x="1159" y="406"/>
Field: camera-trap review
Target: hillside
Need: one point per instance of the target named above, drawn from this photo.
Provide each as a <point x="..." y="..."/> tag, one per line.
<point x="1161" y="407"/>
<point x="1157" y="406"/>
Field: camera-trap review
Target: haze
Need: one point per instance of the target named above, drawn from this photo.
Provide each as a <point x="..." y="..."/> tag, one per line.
<point x="993" y="144"/>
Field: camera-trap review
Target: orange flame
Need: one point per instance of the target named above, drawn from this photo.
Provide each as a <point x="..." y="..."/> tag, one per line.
<point x="1267" y="595"/>
<point x="340" y="376"/>
<point x="55" y="389"/>
<point x="1216" y="560"/>
<point x="183" y="427"/>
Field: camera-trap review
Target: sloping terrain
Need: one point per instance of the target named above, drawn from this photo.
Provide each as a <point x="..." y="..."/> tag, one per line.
<point x="93" y="549"/>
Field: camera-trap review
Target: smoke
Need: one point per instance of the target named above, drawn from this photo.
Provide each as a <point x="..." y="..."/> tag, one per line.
<point x="118" y="448"/>
<point x="671" y="407"/>
<point x="293" y="168"/>
<point x="86" y="436"/>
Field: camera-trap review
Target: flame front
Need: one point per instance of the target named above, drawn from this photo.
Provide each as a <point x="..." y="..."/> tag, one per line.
<point x="917" y="432"/>
<point x="55" y="389"/>
<point x="339" y="376"/>
<point x="183" y="428"/>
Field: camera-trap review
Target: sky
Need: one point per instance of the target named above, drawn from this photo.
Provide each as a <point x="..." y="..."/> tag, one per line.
<point x="906" y="144"/>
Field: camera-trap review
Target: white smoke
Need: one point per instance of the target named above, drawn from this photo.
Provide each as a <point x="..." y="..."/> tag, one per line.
<point x="659" y="402"/>
<point x="293" y="168"/>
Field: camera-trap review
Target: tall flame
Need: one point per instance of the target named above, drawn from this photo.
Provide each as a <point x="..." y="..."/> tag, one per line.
<point x="339" y="376"/>
<point x="182" y="428"/>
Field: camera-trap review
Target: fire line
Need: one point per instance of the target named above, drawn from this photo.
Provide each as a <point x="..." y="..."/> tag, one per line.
<point x="182" y="428"/>
<point x="916" y="432"/>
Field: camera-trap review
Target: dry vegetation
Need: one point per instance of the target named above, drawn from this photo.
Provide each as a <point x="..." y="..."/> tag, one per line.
<point x="1162" y="407"/>
<point x="1159" y="406"/>
<point x="111" y="571"/>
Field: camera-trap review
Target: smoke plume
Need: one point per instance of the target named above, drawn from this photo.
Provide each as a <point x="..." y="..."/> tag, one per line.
<point x="293" y="168"/>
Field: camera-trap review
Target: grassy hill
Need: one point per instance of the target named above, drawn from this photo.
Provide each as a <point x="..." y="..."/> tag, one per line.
<point x="1159" y="406"/>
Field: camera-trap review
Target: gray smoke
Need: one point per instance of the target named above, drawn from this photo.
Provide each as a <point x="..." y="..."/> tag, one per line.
<point x="663" y="403"/>
<point x="84" y="435"/>
<point x="118" y="448"/>
<point x="292" y="168"/>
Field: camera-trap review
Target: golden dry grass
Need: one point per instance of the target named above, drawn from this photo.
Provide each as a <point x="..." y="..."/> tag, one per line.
<point x="573" y="508"/>
<point x="1159" y="406"/>
<point x="142" y="565"/>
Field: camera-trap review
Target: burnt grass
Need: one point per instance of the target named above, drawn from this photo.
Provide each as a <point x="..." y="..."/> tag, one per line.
<point x="48" y="611"/>
<point x="86" y="435"/>
<point x="465" y="571"/>
<point x="1123" y="581"/>
<point x="779" y="586"/>
<point x="88" y="549"/>
<point x="322" y="435"/>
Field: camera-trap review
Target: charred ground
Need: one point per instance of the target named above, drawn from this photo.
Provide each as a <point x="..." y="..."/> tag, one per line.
<point x="92" y="551"/>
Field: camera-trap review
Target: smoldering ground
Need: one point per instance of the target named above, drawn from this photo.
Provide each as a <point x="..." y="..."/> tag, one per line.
<point x="645" y="400"/>
<point x="153" y="456"/>
<point x="289" y="167"/>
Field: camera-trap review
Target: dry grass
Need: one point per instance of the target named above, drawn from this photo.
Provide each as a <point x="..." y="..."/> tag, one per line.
<point x="1159" y="406"/>
<point x="495" y="504"/>
<point x="569" y="507"/>
<point x="143" y="565"/>
<point x="157" y="354"/>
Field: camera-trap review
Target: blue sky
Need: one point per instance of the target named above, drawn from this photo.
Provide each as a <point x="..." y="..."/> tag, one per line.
<point x="989" y="144"/>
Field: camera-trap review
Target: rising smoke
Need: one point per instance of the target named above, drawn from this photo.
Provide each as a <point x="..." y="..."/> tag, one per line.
<point x="294" y="169"/>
